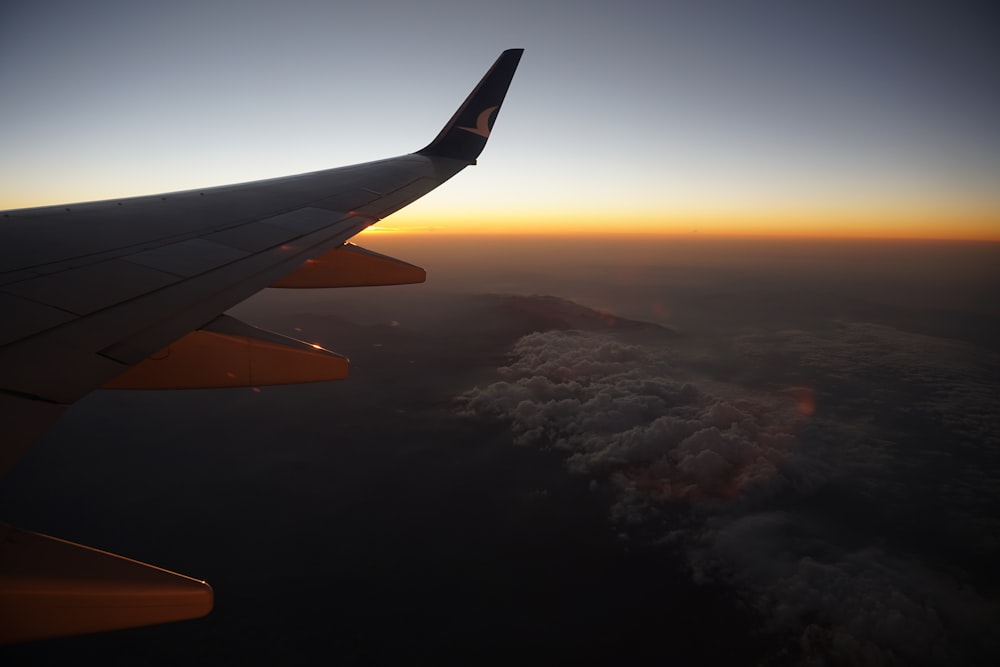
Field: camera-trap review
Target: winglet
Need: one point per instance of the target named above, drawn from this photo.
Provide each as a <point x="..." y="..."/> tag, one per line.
<point x="466" y="133"/>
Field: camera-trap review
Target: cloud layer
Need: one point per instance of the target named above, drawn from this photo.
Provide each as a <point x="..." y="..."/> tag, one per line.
<point x="783" y="485"/>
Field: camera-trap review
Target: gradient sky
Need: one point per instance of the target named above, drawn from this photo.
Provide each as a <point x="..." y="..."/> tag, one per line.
<point x="726" y="117"/>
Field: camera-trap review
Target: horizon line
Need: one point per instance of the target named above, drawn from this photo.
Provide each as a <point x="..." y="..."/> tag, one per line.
<point x="645" y="233"/>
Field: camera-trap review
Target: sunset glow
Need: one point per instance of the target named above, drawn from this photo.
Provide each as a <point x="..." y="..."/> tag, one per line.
<point x="781" y="121"/>
<point x="969" y="226"/>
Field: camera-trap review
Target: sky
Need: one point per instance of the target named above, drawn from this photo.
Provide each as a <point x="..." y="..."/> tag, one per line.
<point x="760" y="118"/>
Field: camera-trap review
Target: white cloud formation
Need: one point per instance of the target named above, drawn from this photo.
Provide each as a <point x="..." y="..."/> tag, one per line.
<point x="615" y="408"/>
<point x="720" y="467"/>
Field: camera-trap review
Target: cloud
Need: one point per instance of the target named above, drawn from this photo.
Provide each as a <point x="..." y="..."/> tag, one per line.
<point x="754" y="484"/>
<point x="841" y="606"/>
<point x="616" y="407"/>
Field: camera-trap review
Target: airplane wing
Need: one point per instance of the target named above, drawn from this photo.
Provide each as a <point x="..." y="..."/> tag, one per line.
<point x="131" y="293"/>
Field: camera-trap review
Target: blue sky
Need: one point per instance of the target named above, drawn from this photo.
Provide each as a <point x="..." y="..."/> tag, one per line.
<point x="619" y="113"/>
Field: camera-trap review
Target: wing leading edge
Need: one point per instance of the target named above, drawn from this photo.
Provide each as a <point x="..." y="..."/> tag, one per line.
<point x="128" y="293"/>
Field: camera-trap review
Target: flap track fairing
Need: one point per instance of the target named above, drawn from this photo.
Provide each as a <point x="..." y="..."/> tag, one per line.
<point x="53" y="588"/>
<point x="352" y="266"/>
<point x="230" y="353"/>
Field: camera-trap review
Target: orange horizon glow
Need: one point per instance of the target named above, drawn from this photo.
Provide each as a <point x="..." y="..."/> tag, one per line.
<point x="802" y="225"/>
<point x="971" y="222"/>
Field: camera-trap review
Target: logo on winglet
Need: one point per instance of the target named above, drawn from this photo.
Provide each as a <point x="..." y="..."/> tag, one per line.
<point x="482" y="127"/>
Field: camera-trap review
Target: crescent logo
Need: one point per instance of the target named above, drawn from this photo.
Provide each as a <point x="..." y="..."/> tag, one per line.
<point x="482" y="127"/>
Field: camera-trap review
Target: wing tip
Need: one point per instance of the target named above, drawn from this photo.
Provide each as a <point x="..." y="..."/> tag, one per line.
<point x="465" y="135"/>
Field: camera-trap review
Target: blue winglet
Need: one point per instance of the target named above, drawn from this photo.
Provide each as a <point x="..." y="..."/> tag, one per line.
<point x="465" y="135"/>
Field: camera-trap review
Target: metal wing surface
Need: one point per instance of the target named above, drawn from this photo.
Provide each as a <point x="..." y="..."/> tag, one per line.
<point x="89" y="290"/>
<point x="131" y="293"/>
